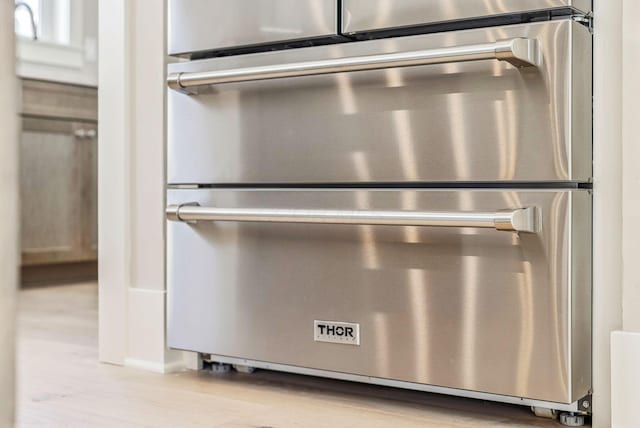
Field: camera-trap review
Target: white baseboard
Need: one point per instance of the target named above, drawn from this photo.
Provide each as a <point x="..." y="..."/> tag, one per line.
<point x="625" y="379"/>
<point x="152" y="366"/>
<point x="147" y="345"/>
<point x="146" y="325"/>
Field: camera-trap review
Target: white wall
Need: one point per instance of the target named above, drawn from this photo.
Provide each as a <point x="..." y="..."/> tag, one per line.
<point x="131" y="185"/>
<point x="626" y="343"/>
<point x="8" y="228"/>
<point x="631" y="165"/>
<point x="71" y="64"/>
<point x="113" y="180"/>
<point x="607" y="215"/>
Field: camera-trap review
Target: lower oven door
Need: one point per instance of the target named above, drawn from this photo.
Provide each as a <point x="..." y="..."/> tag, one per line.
<point x="483" y="290"/>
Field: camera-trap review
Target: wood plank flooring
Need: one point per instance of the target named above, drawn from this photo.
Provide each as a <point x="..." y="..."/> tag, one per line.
<point x="61" y="384"/>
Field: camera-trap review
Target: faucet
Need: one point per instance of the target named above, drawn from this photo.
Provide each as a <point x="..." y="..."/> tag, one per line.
<point x="33" y="20"/>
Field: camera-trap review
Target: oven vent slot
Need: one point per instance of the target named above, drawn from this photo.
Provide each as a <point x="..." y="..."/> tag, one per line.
<point x="439" y="27"/>
<point x="245" y="50"/>
<point x="467" y="24"/>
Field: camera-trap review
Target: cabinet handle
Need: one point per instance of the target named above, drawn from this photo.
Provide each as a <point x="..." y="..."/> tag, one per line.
<point x="85" y="133"/>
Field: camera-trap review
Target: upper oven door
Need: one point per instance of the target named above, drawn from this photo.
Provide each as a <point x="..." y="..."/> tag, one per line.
<point x="213" y="25"/>
<point x="374" y="15"/>
<point x="501" y="104"/>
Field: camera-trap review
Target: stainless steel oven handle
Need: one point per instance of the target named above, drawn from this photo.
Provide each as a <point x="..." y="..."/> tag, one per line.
<point x="519" y="220"/>
<point x="519" y="52"/>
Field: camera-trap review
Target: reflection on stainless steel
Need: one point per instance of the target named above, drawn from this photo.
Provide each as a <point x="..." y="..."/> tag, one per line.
<point x="368" y="15"/>
<point x="519" y="52"/>
<point x="347" y="95"/>
<point x="383" y="344"/>
<point x="361" y="167"/>
<point x="507" y="126"/>
<point x="408" y="203"/>
<point x="527" y="330"/>
<point x="418" y="296"/>
<point x="517" y="220"/>
<point x="406" y="146"/>
<point x="469" y="305"/>
<point x="279" y="30"/>
<point x="204" y="25"/>
<point x="315" y="123"/>
<point x="234" y="271"/>
<point x="370" y="257"/>
<point x="557" y="268"/>
<point x="394" y="78"/>
<point x="460" y="140"/>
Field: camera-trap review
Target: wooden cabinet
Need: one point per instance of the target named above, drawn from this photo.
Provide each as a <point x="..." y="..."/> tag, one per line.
<point x="59" y="164"/>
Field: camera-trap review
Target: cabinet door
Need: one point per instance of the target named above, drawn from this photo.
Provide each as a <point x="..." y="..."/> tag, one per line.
<point x="56" y="191"/>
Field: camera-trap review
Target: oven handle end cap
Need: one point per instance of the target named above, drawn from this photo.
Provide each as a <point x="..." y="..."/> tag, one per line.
<point x="522" y="220"/>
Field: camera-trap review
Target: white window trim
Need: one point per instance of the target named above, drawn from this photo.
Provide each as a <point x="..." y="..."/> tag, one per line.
<point x="38" y="52"/>
<point x="41" y="52"/>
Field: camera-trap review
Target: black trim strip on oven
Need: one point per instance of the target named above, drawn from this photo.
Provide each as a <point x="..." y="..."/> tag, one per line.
<point x="269" y="47"/>
<point x="430" y="28"/>
<point x="560" y="185"/>
<point x="466" y="24"/>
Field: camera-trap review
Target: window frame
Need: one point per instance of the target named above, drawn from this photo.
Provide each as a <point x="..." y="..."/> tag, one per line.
<point x="53" y="15"/>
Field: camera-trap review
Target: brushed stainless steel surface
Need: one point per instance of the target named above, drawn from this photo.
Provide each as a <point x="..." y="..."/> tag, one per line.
<point x="461" y="308"/>
<point x="473" y="121"/>
<point x="203" y="25"/>
<point x="368" y="15"/>
<point x="518" y="52"/>
<point x="518" y="220"/>
<point x="572" y="407"/>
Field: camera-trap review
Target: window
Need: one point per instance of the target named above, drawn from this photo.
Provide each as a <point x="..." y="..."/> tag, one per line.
<point x="52" y="20"/>
<point x="23" y="22"/>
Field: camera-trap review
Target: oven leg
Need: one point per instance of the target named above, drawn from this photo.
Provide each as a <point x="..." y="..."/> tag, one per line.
<point x="543" y="412"/>
<point x="207" y="363"/>
<point x="216" y="368"/>
<point x="565" y="418"/>
<point x="571" y="419"/>
<point x="244" y="369"/>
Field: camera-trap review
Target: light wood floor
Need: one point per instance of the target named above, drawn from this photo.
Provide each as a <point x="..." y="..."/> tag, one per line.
<point x="61" y="384"/>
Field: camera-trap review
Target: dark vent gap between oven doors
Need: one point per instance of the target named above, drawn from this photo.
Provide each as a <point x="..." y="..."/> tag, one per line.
<point x="403" y="185"/>
<point x="465" y="24"/>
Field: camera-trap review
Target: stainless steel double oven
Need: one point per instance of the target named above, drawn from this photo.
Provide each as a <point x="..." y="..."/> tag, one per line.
<point x="393" y="192"/>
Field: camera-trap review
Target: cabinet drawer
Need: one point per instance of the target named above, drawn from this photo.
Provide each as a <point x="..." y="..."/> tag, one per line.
<point x="212" y="25"/>
<point x="59" y="100"/>
<point x="375" y="15"/>
<point x="473" y="308"/>
<point x="464" y="119"/>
